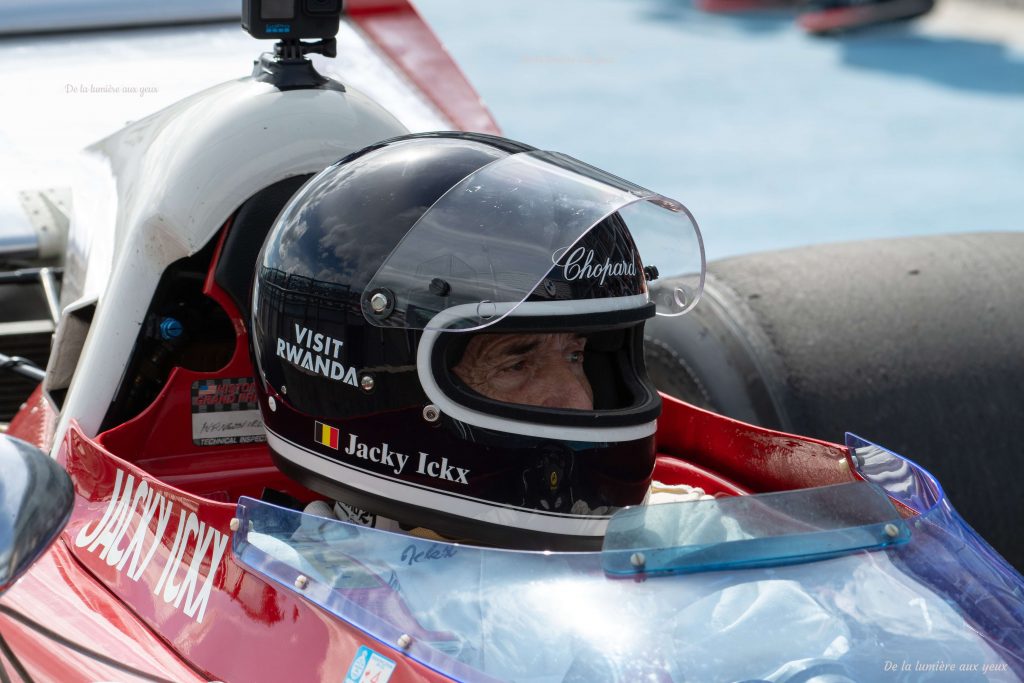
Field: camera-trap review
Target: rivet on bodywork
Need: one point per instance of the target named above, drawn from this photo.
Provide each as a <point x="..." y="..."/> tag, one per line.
<point x="637" y="560"/>
<point x="272" y="404"/>
<point x="891" y="530"/>
<point x="301" y="581"/>
<point x="235" y="523"/>
<point x="431" y="413"/>
<point x="366" y="382"/>
<point x="404" y="641"/>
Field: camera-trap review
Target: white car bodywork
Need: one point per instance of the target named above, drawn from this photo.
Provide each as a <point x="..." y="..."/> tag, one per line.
<point x="172" y="181"/>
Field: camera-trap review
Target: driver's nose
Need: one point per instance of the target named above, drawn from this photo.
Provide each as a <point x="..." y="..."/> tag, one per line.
<point x="564" y="385"/>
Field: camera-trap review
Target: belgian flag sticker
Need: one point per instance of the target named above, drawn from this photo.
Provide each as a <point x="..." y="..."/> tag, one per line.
<point x="326" y="435"/>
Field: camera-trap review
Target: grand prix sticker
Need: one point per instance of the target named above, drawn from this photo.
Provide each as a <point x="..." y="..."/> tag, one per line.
<point x="225" y="411"/>
<point x="369" y="667"/>
<point x="132" y="548"/>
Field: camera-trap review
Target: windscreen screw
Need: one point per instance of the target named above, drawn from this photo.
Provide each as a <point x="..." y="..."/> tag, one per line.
<point x="367" y="383"/>
<point x="638" y="560"/>
<point x="404" y="641"/>
<point x="431" y="413"/>
<point x="235" y="523"/>
<point x="891" y="530"/>
<point x="284" y="389"/>
<point x="379" y="302"/>
<point x="301" y="581"/>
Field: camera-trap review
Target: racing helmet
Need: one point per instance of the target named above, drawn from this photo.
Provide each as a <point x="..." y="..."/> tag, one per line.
<point x="375" y="280"/>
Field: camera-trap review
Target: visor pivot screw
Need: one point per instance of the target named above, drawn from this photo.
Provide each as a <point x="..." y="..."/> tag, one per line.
<point x="301" y="581"/>
<point x="235" y="524"/>
<point x="651" y="273"/>
<point x="284" y="389"/>
<point x="272" y="404"/>
<point x="440" y="287"/>
<point x="431" y="413"/>
<point x="366" y="383"/>
<point x="379" y="302"/>
<point x="891" y="530"/>
<point x="404" y="641"/>
<point x="638" y="560"/>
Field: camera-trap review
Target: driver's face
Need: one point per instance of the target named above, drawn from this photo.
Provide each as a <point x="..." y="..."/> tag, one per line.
<point x="533" y="369"/>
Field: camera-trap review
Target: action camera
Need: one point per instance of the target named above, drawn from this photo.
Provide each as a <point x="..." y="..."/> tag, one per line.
<point x="291" y="19"/>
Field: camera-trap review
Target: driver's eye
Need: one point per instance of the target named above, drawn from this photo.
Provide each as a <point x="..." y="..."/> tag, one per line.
<point x="518" y="366"/>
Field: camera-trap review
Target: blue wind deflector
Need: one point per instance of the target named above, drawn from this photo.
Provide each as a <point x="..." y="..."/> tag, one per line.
<point x="491" y="614"/>
<point x="751" y="531"/>
<point x="902" y="479"/>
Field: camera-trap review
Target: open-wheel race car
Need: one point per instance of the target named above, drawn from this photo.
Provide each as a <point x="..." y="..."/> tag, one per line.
<point x="189" y="539"/>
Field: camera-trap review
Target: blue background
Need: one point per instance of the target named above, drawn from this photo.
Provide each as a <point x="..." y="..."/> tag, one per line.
<point x="772" y="138"/>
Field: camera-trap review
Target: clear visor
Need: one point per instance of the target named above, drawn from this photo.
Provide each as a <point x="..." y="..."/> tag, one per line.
<point x="490" y="240"/>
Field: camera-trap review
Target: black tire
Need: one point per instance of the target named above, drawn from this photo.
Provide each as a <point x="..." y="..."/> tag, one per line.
<point x="916" y="344"/>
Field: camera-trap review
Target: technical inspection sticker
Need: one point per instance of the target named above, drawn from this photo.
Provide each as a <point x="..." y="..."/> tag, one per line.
<point x="225" y="411"/>
<point x="369" y="667"/>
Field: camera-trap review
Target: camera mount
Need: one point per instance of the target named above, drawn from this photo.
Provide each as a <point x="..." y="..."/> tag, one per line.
<point x="293" y="48"/>
<point x="289" y="69"/>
